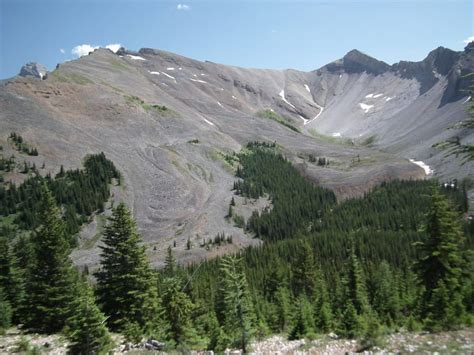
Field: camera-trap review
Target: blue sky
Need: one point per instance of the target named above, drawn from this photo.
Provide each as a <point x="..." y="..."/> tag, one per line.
<point x="265" y="34"/>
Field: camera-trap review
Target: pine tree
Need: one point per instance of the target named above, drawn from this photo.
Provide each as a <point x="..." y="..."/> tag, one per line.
<point x="170" y="263"/>
<point x="386" y="298"/>
<point x="5" y="312"/>
<point x="126" y="287"/>
<point x="238" y="310"/>
<point x="86" y="331"/>
<point x="440" y="267"/>
<point x="11" y="279"/>
<point x="304" y="271"/>
<point x="177" y="307"/>
<point x="51" y="283"/>
<point x="355" y="302"/>
<point x="304" y="323"/>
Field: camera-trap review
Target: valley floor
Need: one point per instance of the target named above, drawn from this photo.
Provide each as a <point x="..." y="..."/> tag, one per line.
<point x="453" y="342"/>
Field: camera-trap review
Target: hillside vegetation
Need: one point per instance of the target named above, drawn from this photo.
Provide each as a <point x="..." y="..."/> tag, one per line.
<point x="399" y="257"/>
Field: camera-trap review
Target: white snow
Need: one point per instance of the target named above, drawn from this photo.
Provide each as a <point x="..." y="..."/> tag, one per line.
<point x="426" y="168"/>
<point x="154" y="72"/>
<point x="377" y="95"/>
<point x="219" y="104"/>
<point x="180" y="68"/>
<point x="195" y="75"/>
<point x="202" y="74"/>
<point x="337" y="134"/>
<point x="135" y="57"/>
<point x="282" y="95"/>
<point x="466" y="100"/>
<point x="307" y="88"/>
<point x="388" y="98"/>
<point x="170" y="68"/>
<point x="222" y="89"/>
<point x="369" y="96"/>
<point x="272" y="110"/>
<point x="234" y="97"/>
<point x="365" y="107"/>
<point x="208" y="122"/>
<point x="199" y="81"/>
<point x="340" y="76"/>
<point x="169" y="76"/>
<point x="304" y="119"/>
<point x="164" y="84"/>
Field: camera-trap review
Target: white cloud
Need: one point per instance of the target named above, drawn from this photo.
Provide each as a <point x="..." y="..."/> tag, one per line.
<point x="62" y="50"/>
<point x="83" y="49"/>
<point x="183" y="7"/>
<point x="469" y="40"/>
<point x="113" y="47"/>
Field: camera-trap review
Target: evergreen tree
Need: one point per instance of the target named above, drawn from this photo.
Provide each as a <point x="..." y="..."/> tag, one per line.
<point x="238" y="309"/>
<point x="177" y="307"/>
<point x="170" y="263"/>
<point x="11" y="279"/>
<point x="304" y="271"/>
<point x="126" y="287"/>
<point x="355" y="302"/>
<point x="86" y="331"/>
<point x="5" y="312"/>
<point x="304" y="323"/>
<point x="386" y="297"/>
<point x="52" y="277"/>
<point x="440" y="267"/>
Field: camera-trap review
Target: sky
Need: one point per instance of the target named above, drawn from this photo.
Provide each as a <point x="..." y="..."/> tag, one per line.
<point x="276" y="34"/>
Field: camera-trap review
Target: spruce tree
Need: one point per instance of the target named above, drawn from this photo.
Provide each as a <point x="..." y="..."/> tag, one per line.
<point x="5" y="312"/>
<point x="126" y="286"/>
<point x="51" y="283"/>
<point x="440" y="266"/>
<point x="238" y="308"/>
<point x="86" y="328"/>
<point x="177" y="307"/>
<point x="304" y="271"/>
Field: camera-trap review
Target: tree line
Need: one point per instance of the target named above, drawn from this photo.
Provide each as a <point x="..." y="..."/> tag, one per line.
<point x="330" y="270"/>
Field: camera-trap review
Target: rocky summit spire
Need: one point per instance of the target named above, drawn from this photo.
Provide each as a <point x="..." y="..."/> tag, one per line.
<point x="33" y="69"/>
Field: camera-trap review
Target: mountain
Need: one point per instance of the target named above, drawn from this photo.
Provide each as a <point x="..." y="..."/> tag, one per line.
<point x="167" y="122"/>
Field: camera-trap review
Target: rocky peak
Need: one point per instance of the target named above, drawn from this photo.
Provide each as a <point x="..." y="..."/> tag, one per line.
<point x="358" y="62"/>
<point x="442" y="59"/>
<point x="33" y="69"/>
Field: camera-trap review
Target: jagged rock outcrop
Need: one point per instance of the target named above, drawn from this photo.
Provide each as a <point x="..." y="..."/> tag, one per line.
<point x="33" y="69"/>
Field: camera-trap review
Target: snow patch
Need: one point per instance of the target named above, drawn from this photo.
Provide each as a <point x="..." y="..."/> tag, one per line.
<point x="466" y="100"/>
<point x="164" y="84"/>
<point x="199" y="81"/>
<point x="195" y="75"/>
<point x="337" y="134"/>
<point x="282" y="95"/>
<point x="304" y="119"/>
<point x="135" y="57"/>
<point x="365" y="107"/>
<point x="154" y="72"/>
<point x="202" y="74"/>
<point x="234" y="97"/>
<point x="307" y="88"/>
<point x="425" y="167"/>
<point x="180" y="68"/>
<point x="369" y="96"/>
<point x="169" y="76"/>
<point x="387" y="98"/>
<point x="208" y="122"/>
<point x="377" y="95"/>
<point x="170" y="68"/>
<point x="219" y="104"/>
